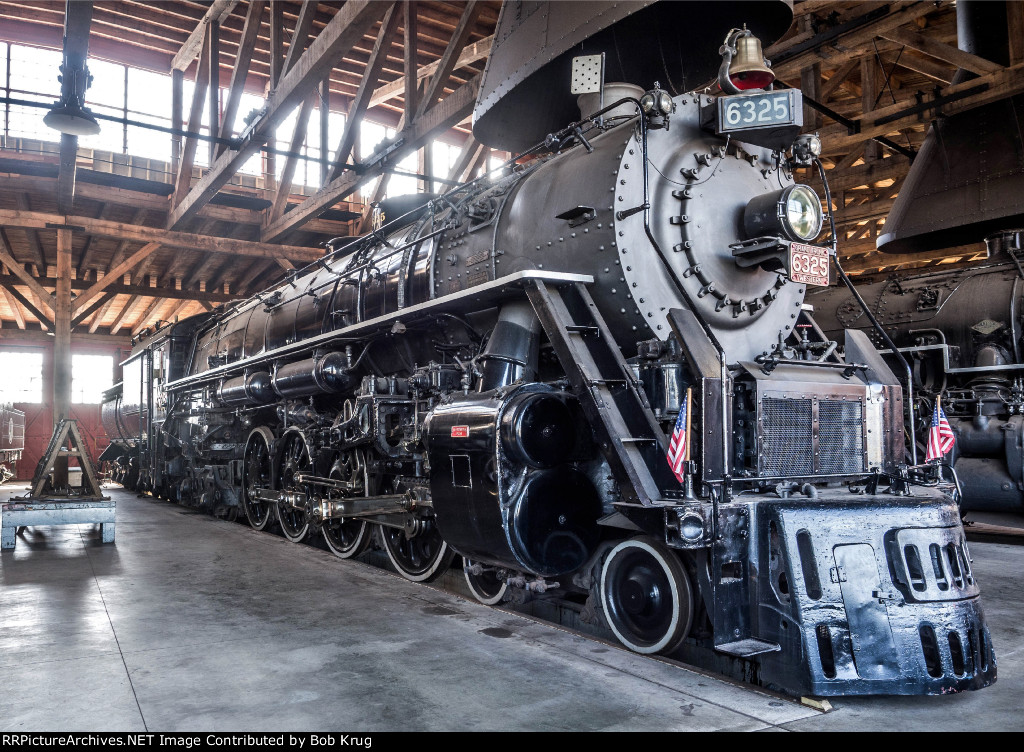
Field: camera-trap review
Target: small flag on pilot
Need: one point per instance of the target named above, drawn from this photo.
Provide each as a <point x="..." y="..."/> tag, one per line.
<point x="940" y="435"/>
<point x="679" y="446"/>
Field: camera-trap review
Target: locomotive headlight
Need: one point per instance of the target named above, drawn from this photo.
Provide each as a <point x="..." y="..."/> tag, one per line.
<point x="793" y="212"/>
<point x="665" y="102"/>
<point x="656" y="102"/>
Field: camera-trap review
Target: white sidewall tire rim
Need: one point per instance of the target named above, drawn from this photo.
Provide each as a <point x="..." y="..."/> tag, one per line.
<point x="670" y="633"/>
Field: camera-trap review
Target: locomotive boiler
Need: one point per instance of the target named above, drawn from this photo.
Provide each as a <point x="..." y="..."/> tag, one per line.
<point x="500" y="375"/>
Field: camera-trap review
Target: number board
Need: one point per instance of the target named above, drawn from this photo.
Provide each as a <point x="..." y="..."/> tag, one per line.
<point x="765" y="109"/>
<point x="809" y="264"/>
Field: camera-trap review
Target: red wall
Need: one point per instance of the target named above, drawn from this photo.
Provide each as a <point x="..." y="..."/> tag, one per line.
<point x="39" y="417"/>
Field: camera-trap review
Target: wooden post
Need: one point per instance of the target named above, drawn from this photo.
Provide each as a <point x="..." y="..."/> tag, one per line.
<point x="177" y="117"/>
<point x="214" y="103"/>
<point x="868" y="95"/>
<point x="62" y="346"/>
<point x="325" y="143"/>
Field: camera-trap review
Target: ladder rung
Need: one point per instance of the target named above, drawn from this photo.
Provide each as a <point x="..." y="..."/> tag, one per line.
<point x="582" y="329"/>
<point x="612" y="382"/>
<point x="638" y="440"/>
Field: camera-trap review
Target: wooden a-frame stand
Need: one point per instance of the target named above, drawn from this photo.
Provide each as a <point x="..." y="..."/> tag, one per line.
<point x="47" y="505"/>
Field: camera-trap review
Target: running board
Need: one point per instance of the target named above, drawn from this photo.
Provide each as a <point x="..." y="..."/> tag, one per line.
<point x="614" y="404"/>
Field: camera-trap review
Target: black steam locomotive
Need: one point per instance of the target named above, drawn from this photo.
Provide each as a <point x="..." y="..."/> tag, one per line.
<point x="961" y="332"/>
<point x="500" y="375"/>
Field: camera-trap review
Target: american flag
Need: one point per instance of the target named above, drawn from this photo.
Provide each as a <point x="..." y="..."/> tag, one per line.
<point x="678" y="447"/>
<point x="940" y="435"/>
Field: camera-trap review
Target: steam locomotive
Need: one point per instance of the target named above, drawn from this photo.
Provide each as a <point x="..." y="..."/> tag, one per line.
<point x="961" y="331"/>
<point x="501" y="373"/>
<point x="12" y="440"/>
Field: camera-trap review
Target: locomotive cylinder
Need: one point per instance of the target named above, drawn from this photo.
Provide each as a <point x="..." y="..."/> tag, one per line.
<point x="251" y="389"/>
<point x="325" y="374"/>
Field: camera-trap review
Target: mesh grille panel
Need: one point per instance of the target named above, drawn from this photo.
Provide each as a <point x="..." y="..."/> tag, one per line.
<point x="787" y="429"/>
<point x="840" y="437"/>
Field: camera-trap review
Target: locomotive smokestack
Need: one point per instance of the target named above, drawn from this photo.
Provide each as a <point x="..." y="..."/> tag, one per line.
<point x="967" y="181"/>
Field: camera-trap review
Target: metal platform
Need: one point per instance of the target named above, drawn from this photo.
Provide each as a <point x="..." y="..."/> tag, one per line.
<point x="15" y="514"/>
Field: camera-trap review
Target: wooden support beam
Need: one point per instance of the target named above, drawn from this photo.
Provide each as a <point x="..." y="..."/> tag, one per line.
<point x="169" y="238"/>
<point x="863" y="212"/>
<point x="62" y="341"/>
<point x="810" y="85"/>
<point x="836" y="80"/>
<point x="869" y="100"/>
<point x="31" y="236"/>
<point x="284" y="185"/>
<point x="1015" y="29"/>
<point x="183" y="180"/>
<point x="98" y="303"/>
<point x="140" y="322"/>
<point x="447" y="62"/>
<point x="177" y="119"/>
<point x="22" y="300"/>
<point x="98" y="318"/>
<point x="120" y="288"/>
<point x="343" y="31"/>
<point x="835" y="49"/>
<point x="878" y="260"/>
<point x="1003" y="83"/>
<point x="217" y="12"/>
<point x="410" y="62"/>
<point x="121" y="252"/>
<point x="941" y="51"/>
<point x="361" y="102"/>
<point x="470" y="149"/>
<point x="178" y="310"/>
<point x="115" y="274"/>
<point x="471" y="54"/>
<point x="13" y="305"/>
<point x="300" y="36"/>
<point x="243" y="58"/>
<point x="19" y="271"/>
<point x="926" y="66"/>
<point x="124" y="313"/>
<point x="443" y="116"/>
<point x="213" y="89"/>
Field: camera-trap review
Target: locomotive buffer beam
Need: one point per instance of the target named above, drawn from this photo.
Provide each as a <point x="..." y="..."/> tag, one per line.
<point x="619" y="412"/>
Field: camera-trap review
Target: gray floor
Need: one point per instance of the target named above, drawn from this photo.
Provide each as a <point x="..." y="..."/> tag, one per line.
<point x="191" y="623"/>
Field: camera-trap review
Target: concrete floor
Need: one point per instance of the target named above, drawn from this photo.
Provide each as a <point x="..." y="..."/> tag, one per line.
<point x="192" y="623"/>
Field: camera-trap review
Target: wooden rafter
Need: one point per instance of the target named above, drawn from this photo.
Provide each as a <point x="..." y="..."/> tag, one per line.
<point x="447" y="62"/>
<point x="169" y="238"/>
<point x="284" y="185"/>
<point x="437" y="119"/>
<point x="44" y="320"/>
<point x="115" y="274"/>
<point x="13" y="305"/>
<point x="243" y="58"/>
<point x="183" y="180"/>
<point x="18" y="270"/>
<point x="218" y="11"/>
<point x="410" y="79"/>
<point x="102" y="314"/>
<point x="363" y="96"/>
<point x="96" y="304"/>
<point x="124" y="313"/>
<point x="343" y="31"/>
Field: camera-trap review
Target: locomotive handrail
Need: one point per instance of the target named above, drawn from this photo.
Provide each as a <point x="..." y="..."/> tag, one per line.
<point x="354" y="331"/>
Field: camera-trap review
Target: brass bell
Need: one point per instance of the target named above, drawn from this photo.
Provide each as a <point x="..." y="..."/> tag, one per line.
<point x="748" y="69"/>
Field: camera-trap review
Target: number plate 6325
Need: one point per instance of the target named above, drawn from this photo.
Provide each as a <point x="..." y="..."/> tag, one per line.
<point x="809" y="264"/>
